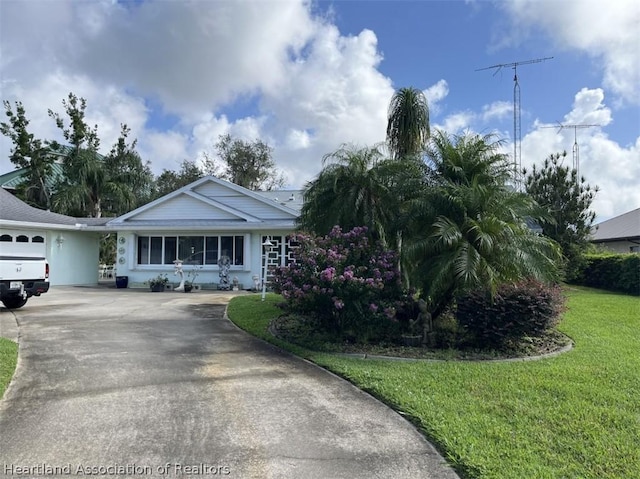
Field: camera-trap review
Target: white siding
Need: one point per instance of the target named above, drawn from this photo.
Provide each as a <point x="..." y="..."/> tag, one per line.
<point x="184" y="208"/>
<point x="214" y="190"/>
<point x="256" y="208"/>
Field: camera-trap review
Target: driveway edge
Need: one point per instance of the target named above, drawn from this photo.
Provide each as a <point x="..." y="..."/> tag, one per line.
<point x="434" y="451"/>
<point x="9" y="327"/>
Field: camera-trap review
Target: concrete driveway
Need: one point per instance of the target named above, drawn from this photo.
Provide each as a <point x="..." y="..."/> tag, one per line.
<point x="125" y="383"/>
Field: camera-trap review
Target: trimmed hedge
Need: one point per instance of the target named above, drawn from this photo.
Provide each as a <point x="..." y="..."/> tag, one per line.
<point x="526" y="309"/>
<point x="615" y="272"/>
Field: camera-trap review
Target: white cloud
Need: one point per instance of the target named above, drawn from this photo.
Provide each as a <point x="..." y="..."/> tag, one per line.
<point x="327" y="90"/>
<point x="205" y="134"/>
<point x="609" y="32"/>
<point x="619" y="190"/>
<point x="310" y="88"/>
<point x="435" y="94"/>
<point x="297" y="140"/>
<point x="335" y="94"/>
<point x="107" y="107"/>
<point x="603" y="162"/>
<point x="498" y="110"/>
<point x="191" y="55"/>
<point x="613" y="168"/>
<point x="190" y="58"/>
<point x="458" y="123"/>
<point x="482" y="122"/>
<point x="588" y="108"/>
<point x="167" y="150"/>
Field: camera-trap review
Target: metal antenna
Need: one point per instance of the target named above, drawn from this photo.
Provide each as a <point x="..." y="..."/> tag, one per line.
<point x="517" y="128"/>
<point x="576" y="148"/>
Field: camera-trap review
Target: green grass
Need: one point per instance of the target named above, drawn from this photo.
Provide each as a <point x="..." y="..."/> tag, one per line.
<point x="573" y="416"/>
<point x="8" y="361"/>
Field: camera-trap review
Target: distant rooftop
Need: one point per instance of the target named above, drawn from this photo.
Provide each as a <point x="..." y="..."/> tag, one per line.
<point x="620" y="227"/>
<point x="10" y="181"/>
<point x="289" y="198"/>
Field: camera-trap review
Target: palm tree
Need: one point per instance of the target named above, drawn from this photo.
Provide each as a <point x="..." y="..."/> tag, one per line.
<point x="92" y="184"/>
<point x="408" y="123"/>
<point x="129" y="181"/>
<point x="355" y="188"/>
<point x="79" y="193"/>
<point x="468" y="229"/>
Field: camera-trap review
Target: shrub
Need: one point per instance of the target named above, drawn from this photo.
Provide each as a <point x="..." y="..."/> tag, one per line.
<point x="350" y="284"/>
<point x="446" y="331"/>
<point x="616" y="272"/>
<point x="529" y="308"/>
<point x="159" y="281"/>
<point x="574" y="262"/>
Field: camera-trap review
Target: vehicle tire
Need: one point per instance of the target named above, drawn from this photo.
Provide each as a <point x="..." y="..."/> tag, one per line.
<point x="14" y="302"/>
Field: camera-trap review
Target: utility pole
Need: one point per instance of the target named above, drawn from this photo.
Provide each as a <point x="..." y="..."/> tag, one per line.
<point x="517" y="128"/>
<point x="576" y="148"/>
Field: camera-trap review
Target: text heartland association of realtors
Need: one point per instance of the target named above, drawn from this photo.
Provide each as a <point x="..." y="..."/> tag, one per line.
<point x="115" y="469"/>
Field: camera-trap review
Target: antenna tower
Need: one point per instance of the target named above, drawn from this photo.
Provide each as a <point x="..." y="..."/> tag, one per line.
<point x="576" y="148"/>
<point x="517" y="128"/>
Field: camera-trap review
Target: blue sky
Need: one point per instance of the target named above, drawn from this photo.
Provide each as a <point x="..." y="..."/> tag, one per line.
<point x="307" y="77"/>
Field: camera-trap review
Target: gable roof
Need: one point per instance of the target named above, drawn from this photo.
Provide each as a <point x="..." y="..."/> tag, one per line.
<point x="620" y="227"/>
<point x="290" y="198"/>
<point x="206" y="203"/>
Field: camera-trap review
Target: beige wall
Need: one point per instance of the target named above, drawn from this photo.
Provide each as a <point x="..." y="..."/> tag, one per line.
<point x="619" y="246"/>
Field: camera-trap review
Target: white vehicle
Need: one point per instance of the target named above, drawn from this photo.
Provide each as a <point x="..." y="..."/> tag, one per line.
<point x="24" y="271"/>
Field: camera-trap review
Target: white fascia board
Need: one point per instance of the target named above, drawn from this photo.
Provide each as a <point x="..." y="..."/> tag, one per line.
<point x="189" y="189"/>
<point x="237" y="227"/>
<point x="162" y="199"/>
<point x="50" y="226"/>
<point x="223" y="207"/>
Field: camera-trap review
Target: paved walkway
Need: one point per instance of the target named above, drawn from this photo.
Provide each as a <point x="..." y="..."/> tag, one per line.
<point x="128" y="383"/>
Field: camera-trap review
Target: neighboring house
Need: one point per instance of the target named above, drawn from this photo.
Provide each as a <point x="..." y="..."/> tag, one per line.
<point x="201" y="222"/>
<point x="10" y="181"/>
<point x="71" y="245"/>
<point x="620" y="234"/>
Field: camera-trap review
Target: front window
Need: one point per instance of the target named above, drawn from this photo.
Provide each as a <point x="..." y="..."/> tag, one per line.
<point x="191" y="249"/>
<point x="143" y="250"/>
<point x="226" y="247"/>
<point x="211" y="255"/>
<point x="199" y="250"/>
<point x="156" y="250"/>
<point x="170" y="249"/>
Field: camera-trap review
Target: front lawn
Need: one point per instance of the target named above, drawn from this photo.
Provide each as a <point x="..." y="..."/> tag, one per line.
<point x="8" y="360"/>
<point x="575" y="416"/>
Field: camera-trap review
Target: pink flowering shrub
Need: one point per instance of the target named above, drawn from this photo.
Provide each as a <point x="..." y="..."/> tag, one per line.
<point x="350" y="284"/>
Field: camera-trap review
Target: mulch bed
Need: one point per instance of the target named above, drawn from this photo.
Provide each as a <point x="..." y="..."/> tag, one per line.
<point x="301" y="331"/>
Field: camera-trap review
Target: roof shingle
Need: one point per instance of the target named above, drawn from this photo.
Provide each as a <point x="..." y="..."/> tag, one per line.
<point x="624" y="226"/>
<point x="14" y="209"/>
